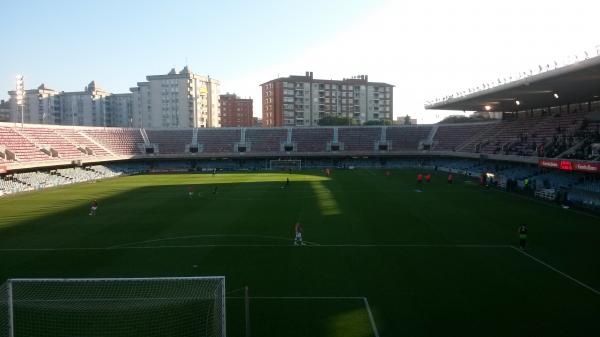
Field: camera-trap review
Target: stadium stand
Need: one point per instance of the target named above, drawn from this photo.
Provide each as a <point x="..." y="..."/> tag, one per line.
<point x="450" y="137"/>
<point x="564" y="135"/>
<point x="218" y="140"/>
<point x="118" y="141"/>
<point x="407" y="138"/>
<point x="48" y="137"/>
<point x="170" y="141"/>
<point x="35" y="180"/>
<point x="83" y="142"/>
<point x="312" y="139"/>
<point x="20" y="146"/>
<point x="359" y="139"/>
<point x="11" y="184"/>
<point x="524" y="135"/>
<point x="266" y="140"/>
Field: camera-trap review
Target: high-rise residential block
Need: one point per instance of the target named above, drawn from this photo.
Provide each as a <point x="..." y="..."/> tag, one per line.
<point x="304" y="100"/>
<point x="236" y="111"/>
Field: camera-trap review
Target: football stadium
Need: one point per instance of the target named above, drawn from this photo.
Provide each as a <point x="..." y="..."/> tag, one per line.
<point x="479" y="226"/>
<point x="191" y="232"/>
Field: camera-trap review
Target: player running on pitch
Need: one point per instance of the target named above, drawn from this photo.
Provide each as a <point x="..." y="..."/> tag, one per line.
<point x="190" y="191"/>
<point x="298" y="238"/>
<point x="93" y="207"/>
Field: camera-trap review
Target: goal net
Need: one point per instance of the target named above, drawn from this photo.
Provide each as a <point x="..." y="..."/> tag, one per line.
<point x="189" y="306"/>
<point x="285" y="164"/>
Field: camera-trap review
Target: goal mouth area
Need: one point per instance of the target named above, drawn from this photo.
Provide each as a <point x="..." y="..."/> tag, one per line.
<point x="302" y="316"/>
<point x="285" y="164"/>
<point x="174" y="306"/>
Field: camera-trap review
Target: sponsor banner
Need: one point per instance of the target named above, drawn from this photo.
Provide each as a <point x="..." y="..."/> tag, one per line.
<point x="586" y="167"/>
<point x="567" y="165"/>
<point x="549" y="163"/>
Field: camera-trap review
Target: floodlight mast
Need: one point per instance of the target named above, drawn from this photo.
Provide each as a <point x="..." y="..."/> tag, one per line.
<point x="20" y="95"/>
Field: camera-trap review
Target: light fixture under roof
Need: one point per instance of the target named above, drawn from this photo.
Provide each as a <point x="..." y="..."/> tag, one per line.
<point x="556" y="95"/>
<point x="518" y="102"/>
<point x="487" y="108"/>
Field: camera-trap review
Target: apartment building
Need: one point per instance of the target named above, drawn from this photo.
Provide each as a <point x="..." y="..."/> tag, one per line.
<point x="176" y="100"/>
<point x="304" y="100"/>
<point x="236" y="111"/>
<point x="40" y="106"/>
<point x="90" y="107"/>
<point x="4" y="111"/>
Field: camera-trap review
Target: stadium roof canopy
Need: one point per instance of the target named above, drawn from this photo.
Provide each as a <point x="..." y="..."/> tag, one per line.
<point x="574" y="83"/>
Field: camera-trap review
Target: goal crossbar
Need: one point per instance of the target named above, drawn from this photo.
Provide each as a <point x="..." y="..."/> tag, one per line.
<point x="283" y="164"/>
<point x="130" y="279"/>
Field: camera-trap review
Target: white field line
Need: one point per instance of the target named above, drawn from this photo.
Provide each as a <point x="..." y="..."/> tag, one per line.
<point x="363" y="299"/>
<point x="208" y="236"/>
<point x="298" y="297"/>
<point x="309" y="246"/>
<point x="556" y="270"/>
<point x="373" y="325"/>
<point x="124" y="299"/>
<point x="390" y="245"/>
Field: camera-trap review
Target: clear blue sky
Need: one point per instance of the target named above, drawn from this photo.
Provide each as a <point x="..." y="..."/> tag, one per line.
<point x="426" y="49"/>
<point x="66" y="44"/>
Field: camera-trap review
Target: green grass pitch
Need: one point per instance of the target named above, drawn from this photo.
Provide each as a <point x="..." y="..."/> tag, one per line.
<point x="435" y="262"/>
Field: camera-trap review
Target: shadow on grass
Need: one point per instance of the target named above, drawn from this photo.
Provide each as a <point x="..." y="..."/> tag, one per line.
<point x="300" y="317"/>
<point x="141" y="207"/>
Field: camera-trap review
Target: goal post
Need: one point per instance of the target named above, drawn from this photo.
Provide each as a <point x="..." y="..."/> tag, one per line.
<point x="6" y="310"/>
<point x="94" y="307"/>
<point x="285" y="164"/>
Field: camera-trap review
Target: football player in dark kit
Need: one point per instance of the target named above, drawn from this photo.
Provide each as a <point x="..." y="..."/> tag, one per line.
<point x="522" y="237"/>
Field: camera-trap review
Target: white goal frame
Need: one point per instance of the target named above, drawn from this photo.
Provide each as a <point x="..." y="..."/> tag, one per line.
<point x="285" y="161"/>
<point x="10" y="300"/>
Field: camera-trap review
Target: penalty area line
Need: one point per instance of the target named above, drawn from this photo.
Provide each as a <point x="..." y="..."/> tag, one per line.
<point x="298" y="297"/>
<point x="371" y="319"/>
<point x="556" y="270"/>
<point x="361" y="298"/>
